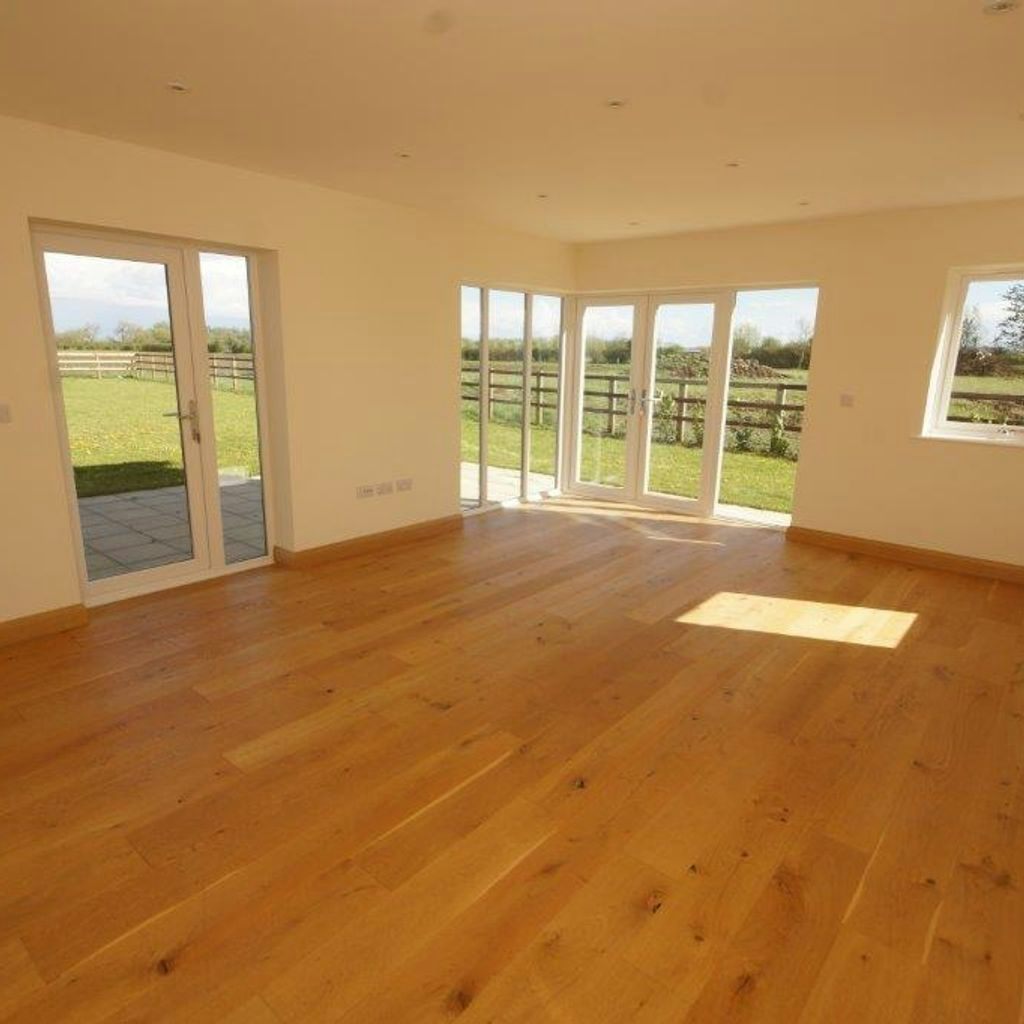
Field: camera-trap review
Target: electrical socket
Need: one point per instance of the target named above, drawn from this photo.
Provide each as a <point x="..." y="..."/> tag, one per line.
<point x="387" y="487"/>
<point x="405" y="484"/>
<point x="364" y="491"/>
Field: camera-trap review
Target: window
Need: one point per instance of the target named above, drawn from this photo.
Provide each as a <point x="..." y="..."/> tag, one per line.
<point x="510" y="374"/>
<point x="978" y="389"/>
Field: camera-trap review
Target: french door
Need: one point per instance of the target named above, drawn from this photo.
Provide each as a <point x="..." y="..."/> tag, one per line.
<point x="161" y="429"/>
<point x="648" y="398"/>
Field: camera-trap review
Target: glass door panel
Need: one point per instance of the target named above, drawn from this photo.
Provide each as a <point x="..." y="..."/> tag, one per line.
<point x="470" y="396"/>
<point x="606" y="394"/>
<point x="772" y="332"/>
<point x="545" y="393"/>
<point x="676" y="397"/>
<point x="506" y="347"/>
<point x="232" y="374"/>
<point x="124" y="364"/>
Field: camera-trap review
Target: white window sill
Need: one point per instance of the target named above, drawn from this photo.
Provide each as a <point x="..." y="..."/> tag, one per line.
<point x="1015" y="441"/>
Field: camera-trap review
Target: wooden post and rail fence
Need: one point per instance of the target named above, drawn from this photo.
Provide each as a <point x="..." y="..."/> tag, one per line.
<point x="681" y="400"/>
<point x="227" y="370"/>
<point x="606" y="396"/>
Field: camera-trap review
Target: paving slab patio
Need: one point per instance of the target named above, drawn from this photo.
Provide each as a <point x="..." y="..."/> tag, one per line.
<point x="145" y="529"/>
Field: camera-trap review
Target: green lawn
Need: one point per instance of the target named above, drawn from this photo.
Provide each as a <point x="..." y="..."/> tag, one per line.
<point x="995" y="411"/>
<point x="748" y="479"/>
<point x="120" y="441"/>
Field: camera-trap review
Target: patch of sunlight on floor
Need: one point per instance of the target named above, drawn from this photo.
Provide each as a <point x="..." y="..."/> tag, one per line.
<point x="813" y="620"/>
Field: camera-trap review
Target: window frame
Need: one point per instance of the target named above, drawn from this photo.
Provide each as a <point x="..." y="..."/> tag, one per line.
<point x="937" y="423"/>
<point x="484" y="502"/>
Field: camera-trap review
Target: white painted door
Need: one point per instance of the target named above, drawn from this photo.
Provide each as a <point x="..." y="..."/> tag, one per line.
<point x="152" y="449"/>
<point x="647" y="414"/>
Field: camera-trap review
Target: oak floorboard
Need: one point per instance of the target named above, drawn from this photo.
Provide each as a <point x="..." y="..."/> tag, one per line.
<point x="575" y="763"/>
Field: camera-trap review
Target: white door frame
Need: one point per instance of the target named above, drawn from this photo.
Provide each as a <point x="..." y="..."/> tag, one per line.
<point x="723" y="301"/>
<point x="575" y="400"/>
<point x="189" y="345"/>
<point x="642" y="370"/>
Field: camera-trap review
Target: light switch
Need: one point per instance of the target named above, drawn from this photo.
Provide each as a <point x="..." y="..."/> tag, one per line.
<point x="846" y="400"/>
<point x="5" y="412"/>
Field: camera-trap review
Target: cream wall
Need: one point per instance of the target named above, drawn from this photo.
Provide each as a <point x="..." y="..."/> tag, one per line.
<point x="365" y="381"/>
<point x="864" y="470"/>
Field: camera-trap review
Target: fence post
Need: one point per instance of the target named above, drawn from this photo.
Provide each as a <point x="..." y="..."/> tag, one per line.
<point x="681" y="412"/>
<point x="538" y="382"/>
<point x="611" y="405"/>
<point x="780" y="400"/>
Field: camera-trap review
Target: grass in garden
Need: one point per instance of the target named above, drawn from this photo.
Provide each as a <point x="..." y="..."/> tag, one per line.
<point x="120" y="440"/>
<point x="748" y="479"/>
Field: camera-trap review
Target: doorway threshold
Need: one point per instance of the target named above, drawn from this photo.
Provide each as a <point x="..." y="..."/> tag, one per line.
<point x="759" y="516"/>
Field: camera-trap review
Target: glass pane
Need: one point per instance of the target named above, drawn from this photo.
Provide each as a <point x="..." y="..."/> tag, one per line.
<point x="506" y="337"/>
<point x="682" y="352"/>
<point x="772" y="333"/>
<point x="607" y="362"/>
<point x="545" y="383"/>
<point x="469" y="383"/>
<point x="116" y="359"/>
<point x="225" y="281"/>
<point x="988" y="385"/>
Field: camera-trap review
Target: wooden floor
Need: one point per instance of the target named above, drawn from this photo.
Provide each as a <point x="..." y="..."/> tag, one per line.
<point x="565" y="766"/>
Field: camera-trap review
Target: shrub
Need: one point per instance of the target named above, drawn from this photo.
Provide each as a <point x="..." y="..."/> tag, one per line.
<point x="743" y="439"/>
<point x="778" y="441"/>
<point x="697" y="426"/>
<point x="664" y="427"/>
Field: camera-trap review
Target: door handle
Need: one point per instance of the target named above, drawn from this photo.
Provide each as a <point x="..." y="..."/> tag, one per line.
<point x="651" y="400"/>
<point x="192" y="416"/>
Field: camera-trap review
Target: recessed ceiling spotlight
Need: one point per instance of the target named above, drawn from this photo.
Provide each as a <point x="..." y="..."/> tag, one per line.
<point x="733" y="164"/>
<point x="542" y="195"/>
<point x="178" y="87"/>
<point x="615" y="104"/>
<point x="438" y="22"/>
<point x="404" y="156"/>
<point x="804" y="202"/>
<point x="634" y="223"/>
<point x="1001" y="6"/>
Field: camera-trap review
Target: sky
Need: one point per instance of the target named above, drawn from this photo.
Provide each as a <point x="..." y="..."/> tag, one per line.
<point x="95" y="290"/>
<point x="776" y="312"/>
<point x="507" y="313"/>
<point x="988" y="297"/>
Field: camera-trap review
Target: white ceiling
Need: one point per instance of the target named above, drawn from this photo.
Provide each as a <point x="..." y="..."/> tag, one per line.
<point x="843" y="105"/>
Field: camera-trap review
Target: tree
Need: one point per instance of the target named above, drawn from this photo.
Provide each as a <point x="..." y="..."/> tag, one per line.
<point x="1011" y="329"/>
<point x="803" y="332"/>
<point x="86" y="336"/>
<point x="745" y="336"/>
<point x="129" y="335"/>
<point x="971" y="333"/>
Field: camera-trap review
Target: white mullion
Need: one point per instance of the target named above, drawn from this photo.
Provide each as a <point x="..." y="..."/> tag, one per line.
<point x="485" y="388"/>
<point x="524" y="471"/>
<point x="716" y="406"/>
<point x="203" y="392"/>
